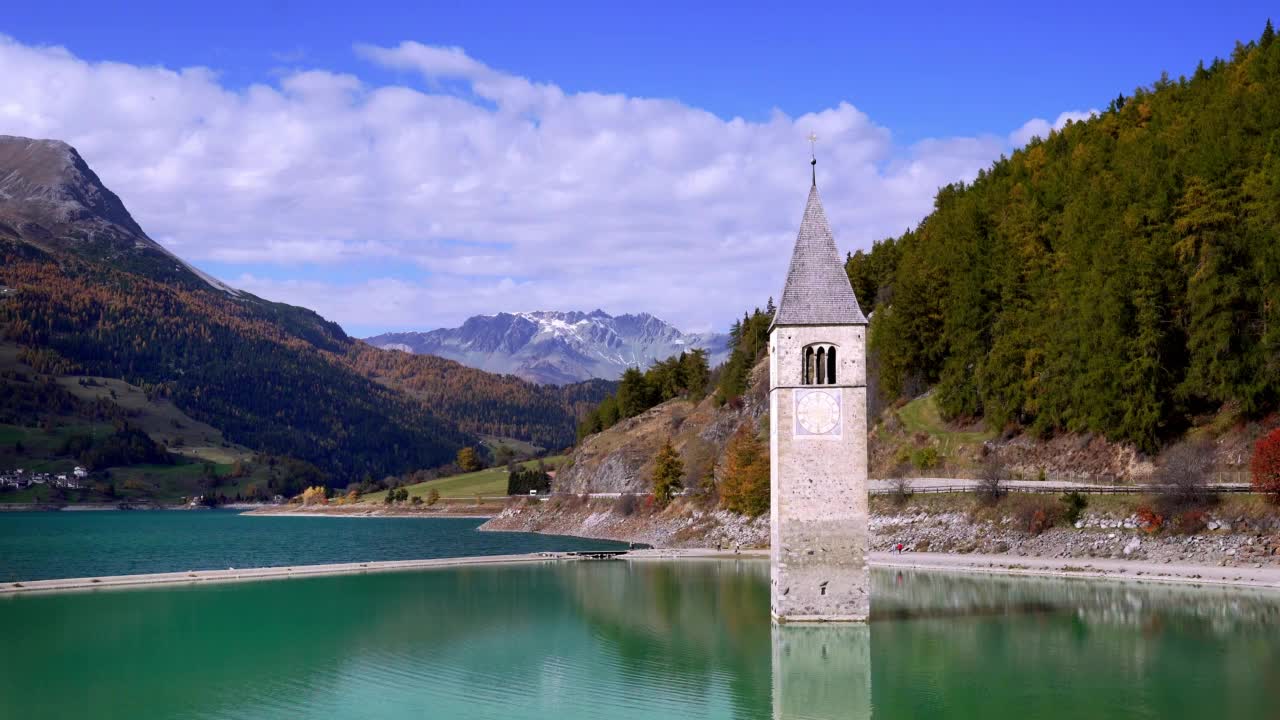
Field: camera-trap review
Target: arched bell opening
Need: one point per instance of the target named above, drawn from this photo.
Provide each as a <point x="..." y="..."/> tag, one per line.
<point x="819" y="364"/>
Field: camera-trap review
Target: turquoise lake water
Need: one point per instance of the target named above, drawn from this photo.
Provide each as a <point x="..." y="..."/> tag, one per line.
<point x="563" y="640"/>
<point x="42" y="545"/>
<point x="630" y="640"/>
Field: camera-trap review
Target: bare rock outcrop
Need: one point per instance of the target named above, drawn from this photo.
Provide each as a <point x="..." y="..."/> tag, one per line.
<point x="620" y="459"/>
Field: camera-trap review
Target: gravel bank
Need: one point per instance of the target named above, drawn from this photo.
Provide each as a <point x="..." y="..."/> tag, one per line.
<point x="1225" y="540"/>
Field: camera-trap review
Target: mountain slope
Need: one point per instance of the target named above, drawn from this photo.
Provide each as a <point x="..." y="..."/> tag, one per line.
<point x="1121" y="276"/>
<point x="82" y="281"/>
<point x="50" y="198"/>
<point x="557" y="347"/>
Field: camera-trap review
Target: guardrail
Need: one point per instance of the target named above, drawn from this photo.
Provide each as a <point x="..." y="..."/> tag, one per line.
<point x="1061" y="489"/>
<point x="1037" y="488"/>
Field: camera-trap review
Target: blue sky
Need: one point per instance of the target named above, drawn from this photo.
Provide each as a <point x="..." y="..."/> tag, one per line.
<point x="913" y="96"/>
<point x="920" y="69"/>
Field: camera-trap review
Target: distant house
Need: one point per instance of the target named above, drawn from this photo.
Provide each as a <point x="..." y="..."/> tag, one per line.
<point x="80" y="473"/>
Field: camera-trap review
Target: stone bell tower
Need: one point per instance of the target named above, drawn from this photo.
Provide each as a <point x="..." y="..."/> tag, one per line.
<point x="818" y="435"/>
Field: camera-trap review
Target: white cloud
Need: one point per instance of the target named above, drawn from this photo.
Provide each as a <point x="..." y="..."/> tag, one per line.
<point x="503" y="192"/>
<point x="1039" y="127"/>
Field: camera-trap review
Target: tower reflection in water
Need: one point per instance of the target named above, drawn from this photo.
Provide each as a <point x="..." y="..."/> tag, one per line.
<point x="822" y="672"/>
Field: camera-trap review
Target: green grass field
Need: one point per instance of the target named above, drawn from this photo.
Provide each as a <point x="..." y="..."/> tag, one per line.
<point x="160" y="419"/>
<point x="41" y="445"/>
<point x="38" y="442"/>
<point x="42" y="449"/>
<point x="921" y="432"/>
<point x="521" y="448"/>
<point x="489" y="483"/>
<point x="921" y="416"/>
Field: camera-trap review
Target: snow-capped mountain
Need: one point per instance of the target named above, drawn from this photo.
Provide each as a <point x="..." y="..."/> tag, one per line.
<point x="557" y="347"/>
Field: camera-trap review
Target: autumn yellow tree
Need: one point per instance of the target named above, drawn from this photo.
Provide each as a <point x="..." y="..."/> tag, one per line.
<point x="314" y="495"/>
<point x="468" y="460"/>
<point x="668" y="474"/>
<point x="744" y="480"/>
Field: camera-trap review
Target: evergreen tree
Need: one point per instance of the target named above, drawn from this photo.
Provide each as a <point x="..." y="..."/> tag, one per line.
<point x="633" y="393"/>
<point x="1118" y="276"/>
<point x="608" y="412"/>
<point x="695" y="372"/>
<point x="590" y="424"/>
<point x="752" y="341"/>
<point x="680" y="376"/>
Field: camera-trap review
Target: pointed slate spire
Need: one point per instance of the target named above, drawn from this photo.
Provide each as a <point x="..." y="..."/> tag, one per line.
<point x="817" y="290"/>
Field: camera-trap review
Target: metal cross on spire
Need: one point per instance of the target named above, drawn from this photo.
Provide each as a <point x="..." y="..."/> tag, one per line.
<point x="813" y="157"/>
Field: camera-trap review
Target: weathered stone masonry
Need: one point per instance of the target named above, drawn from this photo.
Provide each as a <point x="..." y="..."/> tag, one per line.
<point x="818" y="444"/>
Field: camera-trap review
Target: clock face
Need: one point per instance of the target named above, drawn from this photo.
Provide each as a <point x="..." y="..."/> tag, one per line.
<point x="818" y="413"/>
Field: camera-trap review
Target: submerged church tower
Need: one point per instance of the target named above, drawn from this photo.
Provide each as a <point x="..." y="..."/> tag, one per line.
<point x="818" y="435"/>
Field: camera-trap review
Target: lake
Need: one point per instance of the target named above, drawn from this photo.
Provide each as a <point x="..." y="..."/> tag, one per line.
<point x="44" y="545"/>
<point x="637" y="639"/>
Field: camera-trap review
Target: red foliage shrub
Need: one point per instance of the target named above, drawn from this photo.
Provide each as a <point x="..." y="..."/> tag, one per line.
<point x="1039" y="515"/>
<point x="1266" y="465"/>
<point x="1039" y="522"/>
<point x="1190" y="522"/>
<point x="1149" y="519"/>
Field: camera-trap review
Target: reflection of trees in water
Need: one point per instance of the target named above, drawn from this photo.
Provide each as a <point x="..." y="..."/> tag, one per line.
<point x="909" y="594"/>
<point x="705" y="621"/>
<point x="1003" y="646"/>
<point x="696" y="631"/>
<point x="223" y="646"/>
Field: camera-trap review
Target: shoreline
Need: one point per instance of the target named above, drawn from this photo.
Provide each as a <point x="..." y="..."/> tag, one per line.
<point x="1093" y="569"/>
<point x="266" y="510"/>
<point x="87" y="507"/>
<point x="478" y="514"/>
<point x="1267" y="578"/>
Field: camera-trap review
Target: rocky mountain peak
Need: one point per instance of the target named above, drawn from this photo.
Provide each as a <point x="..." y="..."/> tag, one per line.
<point x="52" y="199"/>
<point x="551" y="346"/>
<point x="47" y="179"/>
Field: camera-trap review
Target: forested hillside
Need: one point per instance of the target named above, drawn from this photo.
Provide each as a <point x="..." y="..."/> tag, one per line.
<point x="275" y="378"/>
<point x="482" y="402"/>
<point x="215" y="357"/>
<point x="84" y="291"/>
<point x="1121" y="276"/>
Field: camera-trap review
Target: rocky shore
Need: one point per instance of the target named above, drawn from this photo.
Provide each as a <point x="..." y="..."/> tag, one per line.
<point x="681" y="525"/>
<point x="1095" y="536"/>
<point x="1231" y="536"/>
